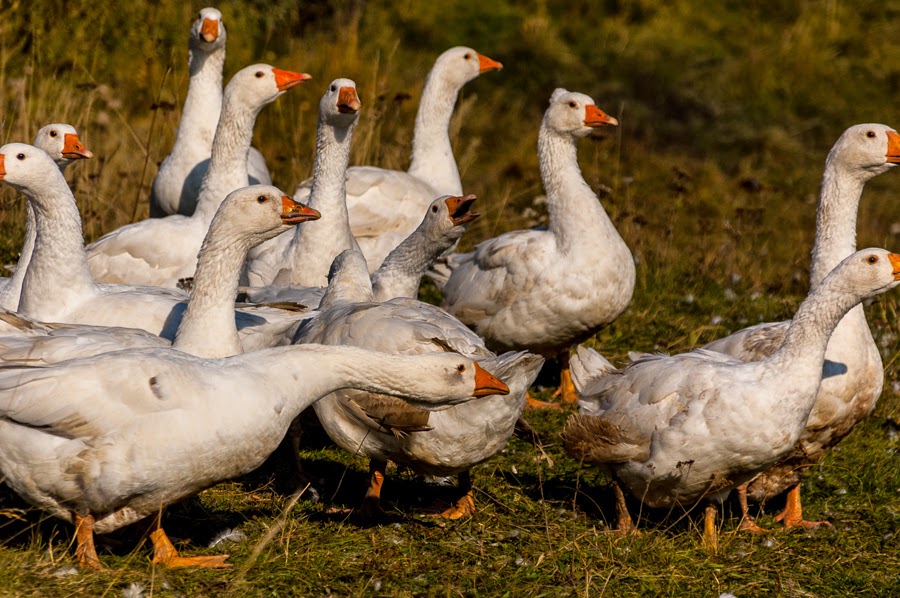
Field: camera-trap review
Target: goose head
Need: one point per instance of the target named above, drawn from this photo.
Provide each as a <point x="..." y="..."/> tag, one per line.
<point x="208" y="32"/>
<point x="261" y="84"/>
<point x="62" y="144"/>
<point x="575" y="114"/>
<point x="340" y="105"/>
<point x="866" y="150"/>
<point x="457" y="66"/>
<point x="260" y="212"/>
<point x="866" y="273"/>
<point x="29" y="169"/>
<point x="449" y="216"/>
<point x="448" y="379"/>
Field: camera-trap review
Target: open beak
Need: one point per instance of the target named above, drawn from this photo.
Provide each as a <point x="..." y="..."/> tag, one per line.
<point x="486" y="384"/>
<point x="348" y="101"/>
<point x="458" y="207"/>
<point x="295" y="213"/>
<point x="594" y="117"/>
<point x="2" y="168"/>
<point x="287" y="79"/>
<point x="486" y="64"/>
<point x="894" y="257"/>
<point x="209" y="30"/>
<point x="893" y="150"/>
<point x="73" y="149"/>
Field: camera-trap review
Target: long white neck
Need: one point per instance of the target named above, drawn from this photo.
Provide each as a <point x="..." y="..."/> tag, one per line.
<point x="576" y="215"/>
<point x="203" y="103"/>
<point x="432" y="155"/>
<point x="835" y="220"/>
<point x="317" y="243"/>
<point x="208" y="328"/>
<point x="9" y="296"/>
<point x="402" y="270"/>
<point x="228" y="162"/>
<point x="57" y="277"/>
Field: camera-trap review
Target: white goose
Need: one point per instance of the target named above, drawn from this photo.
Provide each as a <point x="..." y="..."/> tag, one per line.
<point x="207" y="324"/>
<point x="382" y="428"/>
<point x="176" y="186"/>
<point x="107" y="441"/>
<point x="304" y="256"/>
<point x="62" y="144"/>
<point x="160" y="251"/>
<point x="401" y="272"/>
<point x="678" y="429"/>
<point x="58" y="286"/>
<point x="384" y="205"/>
<point x="853" y="373"/>
<point x="545" y="290"/>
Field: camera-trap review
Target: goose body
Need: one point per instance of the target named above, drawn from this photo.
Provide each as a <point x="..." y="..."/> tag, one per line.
<point x="384" y="205"/>
<point x="382" y="428"/>
<point x="61" y="142"/>
<point x="852" y="376"/>
<point x="676" y="429"/>
<point x="176" y="187"/>
<point x="58" y="286"/>
<point x="160" y="251"/>
<point x="108" y="440"/>
<point x="544" y="290"/>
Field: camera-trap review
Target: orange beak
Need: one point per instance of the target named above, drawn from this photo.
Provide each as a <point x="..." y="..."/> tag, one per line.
<point x="894" y="257"/>
<point x="209" y="30"/>
<point x="486" y="64"/>
<point x="486" y="384"/>
<point x="458" y="207"/>
<point x="287" y="79"/>
<point x="73" y="149"/>
<point x="2" y="168"/>
<point x="295" y="213"/>
<point x="893" y="150"/>
<point x="348" y="101"/>
<point x="594" y="117"/>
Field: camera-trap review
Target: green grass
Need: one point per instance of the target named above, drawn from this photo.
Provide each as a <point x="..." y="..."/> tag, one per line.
<point x="727" y="114"/>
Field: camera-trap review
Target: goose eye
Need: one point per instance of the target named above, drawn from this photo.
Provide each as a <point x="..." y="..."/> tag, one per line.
<point x="434" y="208"/>
<point x="20" y="156"/>
<point x="572" y="104"/>
<point x="460" y="368"/>
<point x="334" y="88"/>
<point x="53" y="133"/>
<point x="259" y="74"/>
<point x="870" y="134"/>
<point x="262" y="199"/>
<point x="872" y="259"/>
<point x="468" y="56"/>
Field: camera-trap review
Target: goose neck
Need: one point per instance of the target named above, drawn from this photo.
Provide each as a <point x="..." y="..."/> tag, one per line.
<point x="576" y="216"/>
<point x="58" y="271"/>
<point x="432" y="155"/>
<point x="203" y="103"/>
<point x="402" y="270"/>
<point x="208" y="327"/>
<point x="228" y="162"/>
<point x="835" y="221"/>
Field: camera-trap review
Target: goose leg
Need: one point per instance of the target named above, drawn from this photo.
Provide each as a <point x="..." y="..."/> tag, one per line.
<point x="792" y="516"/>
<point x="624" y="524"/>
<point x="533" y="403"/>
<point x="371" y="506"/>
<point x="747" y="523"/>
<point x="710" y="535"/>
<point x="566" y="391"/>
<point x="85" y="550"/>
<point x="465" y="505"/>
<point x="164" y="553"/>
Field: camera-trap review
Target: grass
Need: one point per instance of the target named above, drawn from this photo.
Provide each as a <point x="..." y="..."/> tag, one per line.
<point x="727" y="114"/>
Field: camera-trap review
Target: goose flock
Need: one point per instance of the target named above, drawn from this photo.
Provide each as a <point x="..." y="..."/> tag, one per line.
<point x="121" y="392"/>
